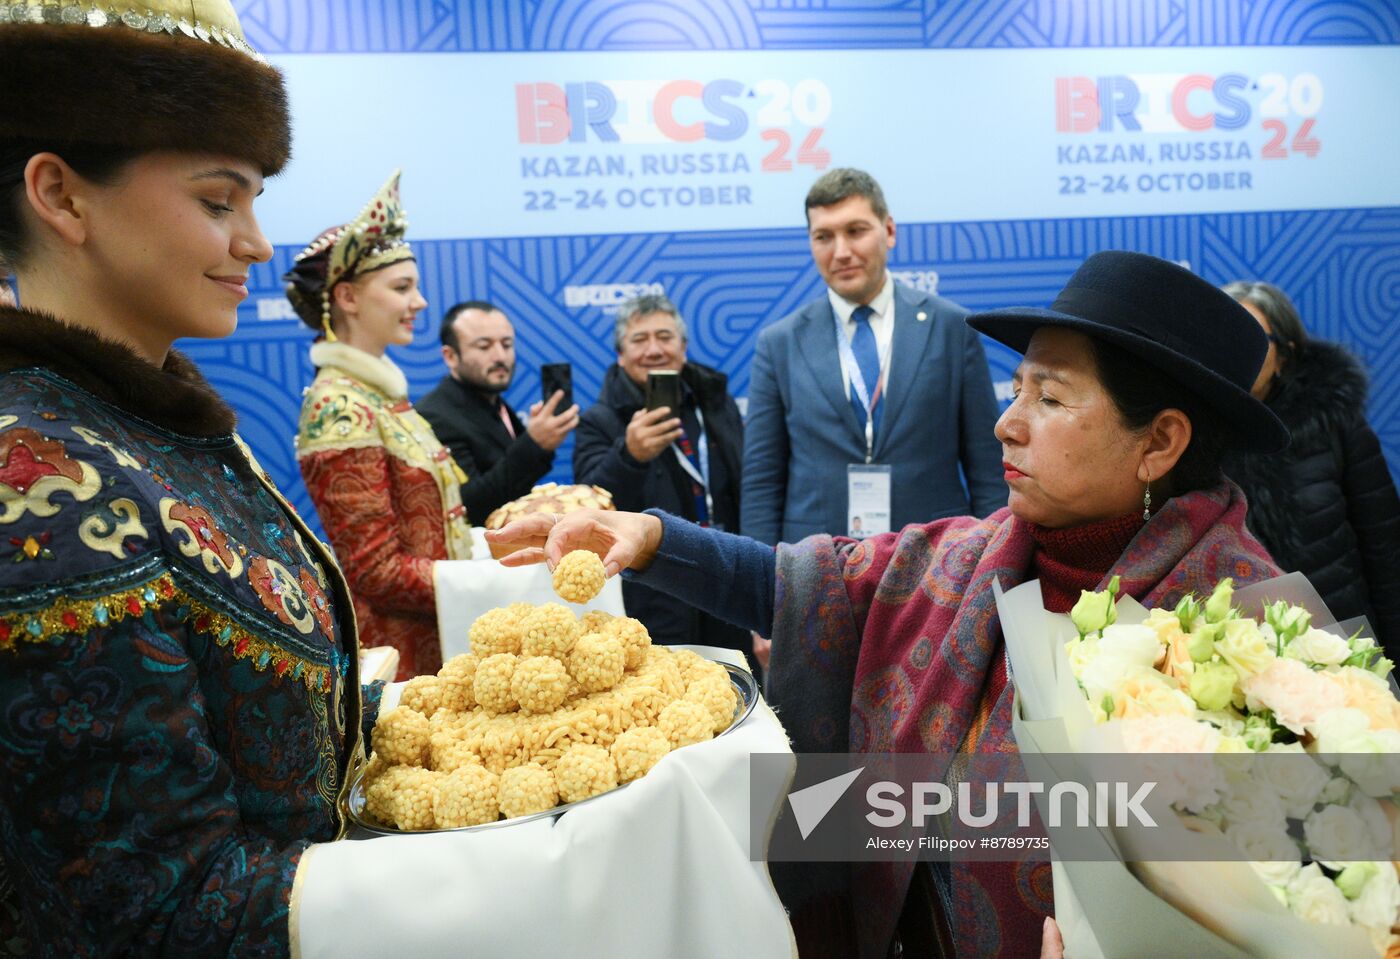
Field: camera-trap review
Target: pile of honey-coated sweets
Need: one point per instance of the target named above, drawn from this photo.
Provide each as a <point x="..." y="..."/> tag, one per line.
<point x="547" y="708"/>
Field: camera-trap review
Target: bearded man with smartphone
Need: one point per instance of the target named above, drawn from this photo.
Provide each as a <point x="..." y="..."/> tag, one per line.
<point x="502" y="457"/>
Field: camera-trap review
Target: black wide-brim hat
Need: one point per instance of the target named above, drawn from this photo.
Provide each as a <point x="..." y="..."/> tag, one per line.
<point x="1168" y="317"/>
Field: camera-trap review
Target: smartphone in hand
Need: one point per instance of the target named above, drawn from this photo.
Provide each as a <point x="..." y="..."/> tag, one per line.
<point x="664" y="389"/>
<point x="554" y="377"/>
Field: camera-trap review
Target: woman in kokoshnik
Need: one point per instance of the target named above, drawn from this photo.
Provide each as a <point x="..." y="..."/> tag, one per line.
<point x="387" y="492"/>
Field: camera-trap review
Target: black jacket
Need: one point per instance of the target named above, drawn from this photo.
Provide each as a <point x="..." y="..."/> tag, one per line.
<point x="499" y="469"/>
<point x="1327" y="506"/>
<point x="601" y="459"/>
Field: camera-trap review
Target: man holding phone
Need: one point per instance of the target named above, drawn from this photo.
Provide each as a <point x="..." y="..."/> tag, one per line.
<point x="665" y="433"/>
<point x="502" y="457"/>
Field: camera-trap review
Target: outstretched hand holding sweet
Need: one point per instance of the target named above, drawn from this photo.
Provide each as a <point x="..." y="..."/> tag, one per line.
<point x="621" y="540"/>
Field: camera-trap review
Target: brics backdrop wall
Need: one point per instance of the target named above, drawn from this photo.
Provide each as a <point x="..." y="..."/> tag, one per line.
<point x="559" y="155"/>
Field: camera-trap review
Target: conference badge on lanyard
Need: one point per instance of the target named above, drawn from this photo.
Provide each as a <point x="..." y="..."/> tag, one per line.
<point x="867" y="499"/>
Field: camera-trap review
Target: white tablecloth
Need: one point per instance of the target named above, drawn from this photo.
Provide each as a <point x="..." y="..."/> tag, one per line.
<point x="658" y="869"/>
<point x="469" y="587"/>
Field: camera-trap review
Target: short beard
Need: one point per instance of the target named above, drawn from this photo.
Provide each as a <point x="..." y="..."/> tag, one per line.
<point x="481" y="384"/>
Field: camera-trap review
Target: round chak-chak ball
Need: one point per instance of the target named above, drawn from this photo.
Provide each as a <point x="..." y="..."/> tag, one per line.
<point x="540" y="684"/>
<point x="584" y="770"/>
<point x="467" y="796"/>
<point x="637" y="750"/>
<point x="492" y="683"/>
<point x="579" y="576"/>
<point x="685" y="722"/>
<point x="597" y="662"/>
<point x="403" y="797"/>
<point x="634" y="638"/>
<point x="550" y="630"/>
<point x="593" y="621"/>
<point x="496" y="631"/>
<point x="401" y="737"/>
<point x="526" y="790"/>
<point x="422" y="694"/>
<point x="716" y="694"/>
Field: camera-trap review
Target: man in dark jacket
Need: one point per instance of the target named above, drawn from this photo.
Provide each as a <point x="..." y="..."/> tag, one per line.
<point x="684" y="461"/>
<point x="502" y="457"/>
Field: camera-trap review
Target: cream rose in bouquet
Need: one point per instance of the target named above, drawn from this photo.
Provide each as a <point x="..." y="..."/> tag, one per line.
<point x="1317" y="812"/>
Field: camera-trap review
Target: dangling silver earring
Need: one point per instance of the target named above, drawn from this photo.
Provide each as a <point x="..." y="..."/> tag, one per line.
<point x="1147" y="502"/>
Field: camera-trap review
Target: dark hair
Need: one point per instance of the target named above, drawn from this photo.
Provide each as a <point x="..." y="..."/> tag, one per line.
<point x="100" y="164"/>
<point x="1289" y="334"/>
<point x="1140" y="391"/>
<point x="447" y="334"/>
<point x="836" y="185"/>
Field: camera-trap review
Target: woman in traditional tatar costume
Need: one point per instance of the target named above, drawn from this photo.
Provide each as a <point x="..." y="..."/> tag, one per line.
<point x="387" y="492"/>
<point x="1132" y="384"/>
<point x="179" y="696"/>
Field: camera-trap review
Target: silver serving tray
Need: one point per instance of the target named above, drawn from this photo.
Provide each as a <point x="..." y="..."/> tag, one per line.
<point x="742" y="680"/>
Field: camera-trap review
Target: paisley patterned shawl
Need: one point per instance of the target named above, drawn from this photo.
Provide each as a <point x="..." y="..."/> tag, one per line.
<point x="886" y="645"/>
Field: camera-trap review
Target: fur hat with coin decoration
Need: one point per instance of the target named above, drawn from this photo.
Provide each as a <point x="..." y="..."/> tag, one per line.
<point x="158" y="75"/>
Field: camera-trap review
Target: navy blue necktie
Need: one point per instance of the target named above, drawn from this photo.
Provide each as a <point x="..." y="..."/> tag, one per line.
<point x="868" y="359"/>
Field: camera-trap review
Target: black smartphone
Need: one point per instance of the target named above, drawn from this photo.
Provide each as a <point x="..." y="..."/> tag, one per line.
<point x="555" y="377"/>
<point x="664" y="389"/>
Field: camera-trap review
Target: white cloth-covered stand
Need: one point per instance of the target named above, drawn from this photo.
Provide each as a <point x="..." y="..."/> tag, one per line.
<point x="467" y="588"/>
<point x="659" y="868"/>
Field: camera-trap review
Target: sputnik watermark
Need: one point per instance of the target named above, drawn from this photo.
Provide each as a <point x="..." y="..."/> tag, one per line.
<point x="810" y="805"/>
<point x="865" y="807"/>
<point x="928" y="800"/>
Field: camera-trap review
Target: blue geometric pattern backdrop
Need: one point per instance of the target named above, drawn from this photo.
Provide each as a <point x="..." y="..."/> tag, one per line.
<point x="1256" y="93"/>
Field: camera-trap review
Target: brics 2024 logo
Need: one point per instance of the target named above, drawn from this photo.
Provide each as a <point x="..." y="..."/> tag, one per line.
<point x="1166" y="103"/>
<point x="718" y="111"/>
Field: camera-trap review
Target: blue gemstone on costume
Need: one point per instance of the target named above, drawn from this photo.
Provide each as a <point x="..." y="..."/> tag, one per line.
<point x="263" y="659"/>
<point x="225" y="633"/>
<point x="100" y="614"/>
<point x="149" y="595"/>
<point x="35" y="627"/>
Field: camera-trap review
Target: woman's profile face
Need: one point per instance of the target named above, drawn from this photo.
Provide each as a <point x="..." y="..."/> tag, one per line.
<point x="1272" y="362"/>
<point x="386" y="304"/>
<point x="171" y="243"/>
<point x="1068" y="458"/>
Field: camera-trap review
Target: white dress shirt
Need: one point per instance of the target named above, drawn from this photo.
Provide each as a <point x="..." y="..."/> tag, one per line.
<point x="881" y="324"/>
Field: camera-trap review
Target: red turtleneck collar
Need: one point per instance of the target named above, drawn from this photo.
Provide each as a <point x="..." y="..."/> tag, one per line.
<point x="1078" y="557"/>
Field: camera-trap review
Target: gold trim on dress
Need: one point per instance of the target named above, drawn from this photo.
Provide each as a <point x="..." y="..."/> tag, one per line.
<point x="67" y="616"/>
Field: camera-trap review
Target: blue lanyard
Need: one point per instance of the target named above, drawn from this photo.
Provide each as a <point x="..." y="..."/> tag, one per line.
<point x="857" y="378"/>
<point x="702" y="452"/>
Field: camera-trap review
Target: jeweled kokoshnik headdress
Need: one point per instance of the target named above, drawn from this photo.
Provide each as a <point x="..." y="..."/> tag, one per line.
<point x="371" y="241"/>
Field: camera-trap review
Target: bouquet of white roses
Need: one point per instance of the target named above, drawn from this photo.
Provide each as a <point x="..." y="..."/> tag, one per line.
<point x="1316" y="816"/>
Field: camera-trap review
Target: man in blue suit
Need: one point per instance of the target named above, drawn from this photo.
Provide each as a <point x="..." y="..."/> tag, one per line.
<point x="875" y="395"/>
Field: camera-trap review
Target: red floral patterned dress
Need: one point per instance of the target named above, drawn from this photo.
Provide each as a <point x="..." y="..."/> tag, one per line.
<point x="388" y="494"/>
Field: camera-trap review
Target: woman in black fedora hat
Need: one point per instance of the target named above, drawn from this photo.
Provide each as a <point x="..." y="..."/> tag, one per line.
<point x="1132" y="384"/>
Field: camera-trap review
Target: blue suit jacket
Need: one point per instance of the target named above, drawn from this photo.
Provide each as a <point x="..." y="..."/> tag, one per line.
<point x="800" y="431"/>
